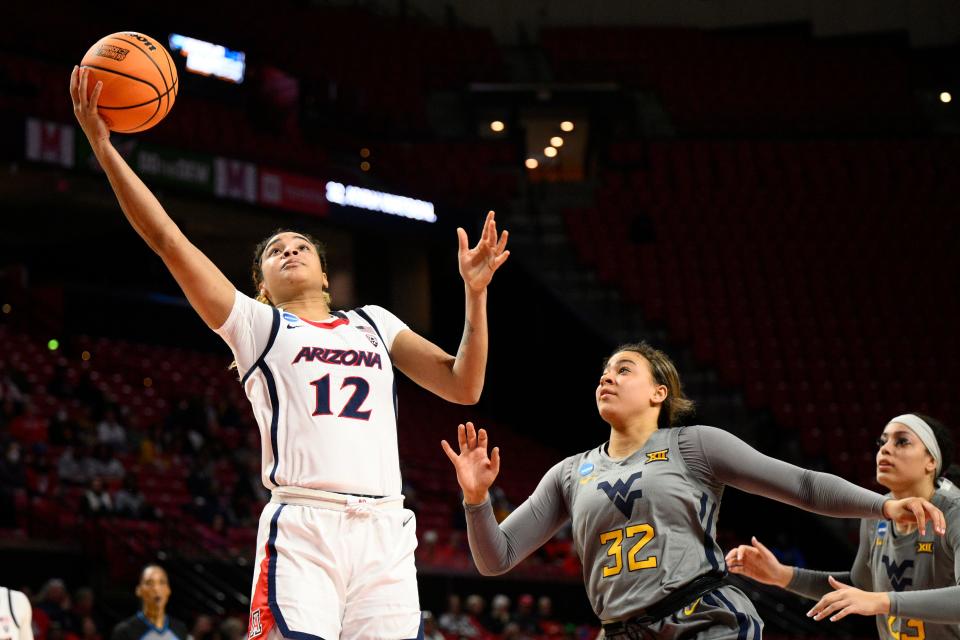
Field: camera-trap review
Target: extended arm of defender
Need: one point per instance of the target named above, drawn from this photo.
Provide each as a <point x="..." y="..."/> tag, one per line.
<point x="207" y="289"/>
<point x="498" y="548"/>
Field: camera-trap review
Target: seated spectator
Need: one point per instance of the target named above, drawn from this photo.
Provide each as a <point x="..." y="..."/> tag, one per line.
<point x="111" y="433"/>
<point x="96" y="499"/>
<point x="548" y="625"/>
<point x="129" y="502"/>
<point x="202" y="628"/>
<point x="476" y="617"/>
<point x="70" y="469"/>
<point x="233" y="629"/>
<point x="13" y="480"/>
<point x="103" y="464"/>
<point x="62" y="430"/>
<point x="82" y="610"/>
<point x="88" y="629"/>
<point x="499" y="615"/>
<point x="454" y="621"/>
<point x="54" y="601"/>
<point x="524" y="617"/>
<point x="430" y="629"/>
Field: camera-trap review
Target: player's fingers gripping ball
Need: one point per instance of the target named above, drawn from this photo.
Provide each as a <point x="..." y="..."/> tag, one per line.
<point x="139" y="80"/>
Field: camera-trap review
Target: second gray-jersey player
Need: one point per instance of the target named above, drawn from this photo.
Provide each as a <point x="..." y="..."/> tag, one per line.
<point x="910" y="581"/>
<point x="644" y="508"/>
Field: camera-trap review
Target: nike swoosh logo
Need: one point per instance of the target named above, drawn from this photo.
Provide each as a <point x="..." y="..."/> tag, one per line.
<point x="689" y="610"/>
<point x="406" y="521"/>
<point x="294" y="326"/>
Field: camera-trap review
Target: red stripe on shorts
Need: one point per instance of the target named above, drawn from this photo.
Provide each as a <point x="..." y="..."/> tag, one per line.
<point x="261" y="619"/>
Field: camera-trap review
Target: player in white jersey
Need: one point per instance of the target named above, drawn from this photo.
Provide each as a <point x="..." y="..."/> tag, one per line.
<point x="16" y="615"/>
<point x="335" y="548"/>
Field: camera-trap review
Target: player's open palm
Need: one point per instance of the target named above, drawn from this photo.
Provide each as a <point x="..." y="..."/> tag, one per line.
<point x="757" y="562"/>
<point x="478" y="265"/>
<point x="475" y="470"/>
<point x="85" y="104"/>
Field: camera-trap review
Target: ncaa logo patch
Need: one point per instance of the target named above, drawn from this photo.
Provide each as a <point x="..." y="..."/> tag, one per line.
<point x="586" y="468"/>
<point x="289" y="317"/>
<point x="881" y="532"/>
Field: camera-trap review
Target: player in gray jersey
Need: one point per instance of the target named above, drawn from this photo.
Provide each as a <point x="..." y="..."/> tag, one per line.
<point x="644" y="507"/>
<point x="909" y="580"/>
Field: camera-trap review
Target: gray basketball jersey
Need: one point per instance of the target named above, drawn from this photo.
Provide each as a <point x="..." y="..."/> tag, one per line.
<point x="643" y="526"/>
<point x="913" y="562"/>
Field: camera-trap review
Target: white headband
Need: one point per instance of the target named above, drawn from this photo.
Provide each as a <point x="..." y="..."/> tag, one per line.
<point x="925" y="433"/>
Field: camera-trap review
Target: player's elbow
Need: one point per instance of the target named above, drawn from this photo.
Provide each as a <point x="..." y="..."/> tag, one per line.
<point x="469" y="392"/>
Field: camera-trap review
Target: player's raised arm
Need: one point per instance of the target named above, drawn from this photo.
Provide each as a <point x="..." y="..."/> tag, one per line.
<point x="207" y="289"/>
<point x="498" y="548"/>
<point x="459" y="378"/>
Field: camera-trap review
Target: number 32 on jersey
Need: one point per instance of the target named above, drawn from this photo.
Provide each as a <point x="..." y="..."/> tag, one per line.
<point x="643" y="533"/>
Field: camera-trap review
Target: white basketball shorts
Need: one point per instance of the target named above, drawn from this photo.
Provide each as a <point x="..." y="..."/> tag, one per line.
<point x="337" y="570"/>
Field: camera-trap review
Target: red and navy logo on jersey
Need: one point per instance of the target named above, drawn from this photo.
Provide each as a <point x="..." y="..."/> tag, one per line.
<point x="370" y="334"/>
<point x="255" y="627"/>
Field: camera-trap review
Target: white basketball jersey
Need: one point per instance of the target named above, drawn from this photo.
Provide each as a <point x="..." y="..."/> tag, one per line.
<point x="16" y="616"/>
<point x="323" y="394"/>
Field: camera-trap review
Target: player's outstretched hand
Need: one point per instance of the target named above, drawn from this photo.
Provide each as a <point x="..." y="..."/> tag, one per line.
<point x="475" y="471"/>
<point x="478" y="265"/>
<point x="85" y="106"/>
<point x="909" y="511"/>
<point x="845" y="600"/>
<point x="755" y="561"/>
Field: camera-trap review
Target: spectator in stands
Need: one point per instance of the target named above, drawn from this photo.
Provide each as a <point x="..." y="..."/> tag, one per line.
<point x="129" y="501"/>
<point x="54" y="601"/>
<point x="914" y="458"/>
<point x="88" y="629"/>
<point x="82" y="609"/>
<point x="9" y="389"/>
<point x="454" y="621"/>
<point x="233" y="629"/>
<point x="97" y="502"/>
<point x="499" y="615"/>
<point x="63" y="430"/>
<point x="524" y="617"/>
<point x="152" y="620"/>
<point x="427" y="549"/>
<point x="639" y="396"/>
<point x="203" y="628"/>
<point x="546" y="622"/>
<point x="430" y="629"/>
<point x="103" y="464"/>
<point x="111" y="433"/>
<point x="69" y="468"/>
<point x="476" y="616"/>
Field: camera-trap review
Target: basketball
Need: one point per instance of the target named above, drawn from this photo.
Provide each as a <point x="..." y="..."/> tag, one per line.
<point x="139" y="80"/>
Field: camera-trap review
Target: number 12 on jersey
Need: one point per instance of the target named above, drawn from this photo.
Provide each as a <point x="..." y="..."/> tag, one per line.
<point x="353" y="406"/>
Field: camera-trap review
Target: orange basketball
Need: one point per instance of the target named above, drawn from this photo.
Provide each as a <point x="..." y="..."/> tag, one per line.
<point x="139" y="80"/>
